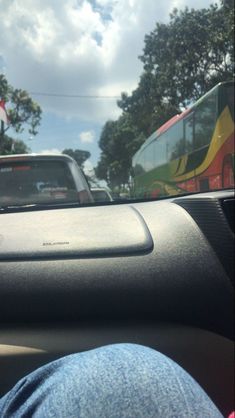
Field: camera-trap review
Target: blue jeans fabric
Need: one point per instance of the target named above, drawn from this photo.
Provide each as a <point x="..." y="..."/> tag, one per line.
<point x="114" y="381"/>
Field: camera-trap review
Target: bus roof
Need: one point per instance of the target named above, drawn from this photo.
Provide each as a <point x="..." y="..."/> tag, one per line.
<point x="172" y="121"/>
<point x="163" y="128"/>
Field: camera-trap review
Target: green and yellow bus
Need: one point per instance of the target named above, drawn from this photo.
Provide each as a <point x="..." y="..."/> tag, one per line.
<point x="192" y="152"/>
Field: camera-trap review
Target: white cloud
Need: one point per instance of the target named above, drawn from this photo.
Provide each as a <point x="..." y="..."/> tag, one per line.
<point x="87" y="137"/>
<point x="87" y="47"/>
<point x="50" y="151"/>
<point x="88" y="168"/>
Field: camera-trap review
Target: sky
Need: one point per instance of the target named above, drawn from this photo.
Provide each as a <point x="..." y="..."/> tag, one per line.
<point x="77" y="47"/>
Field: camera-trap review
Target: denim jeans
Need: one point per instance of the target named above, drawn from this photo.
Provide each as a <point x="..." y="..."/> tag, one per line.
<point x="114" y="381"/>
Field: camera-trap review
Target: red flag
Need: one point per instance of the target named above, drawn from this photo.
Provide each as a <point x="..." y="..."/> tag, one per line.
<point x="3" y="112"/>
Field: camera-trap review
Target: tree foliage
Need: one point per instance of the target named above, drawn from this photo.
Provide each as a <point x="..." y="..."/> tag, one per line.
<point x="78" y="155"/>
<point x="191" y="54"/>
<point x="182" y="60"/>
<point x="119" y="140"/>
<point x="146" y="106"/>
<point x="10" y="146"/>
<point x="22" y="112"/>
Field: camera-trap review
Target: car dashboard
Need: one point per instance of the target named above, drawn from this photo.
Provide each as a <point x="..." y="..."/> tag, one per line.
<point x="157" y="273"/>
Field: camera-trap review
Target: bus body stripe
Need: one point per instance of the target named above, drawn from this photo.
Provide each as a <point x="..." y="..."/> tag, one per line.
<point x="182" y="165"/>
<point x="223" y="129"/>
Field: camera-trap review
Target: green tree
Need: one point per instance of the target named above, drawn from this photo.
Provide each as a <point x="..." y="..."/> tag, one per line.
<point x="119" y="140"/>
<point x="78" y="155"/>
<point x="22" y="112"/>
<point x="146" y="106"/>
<point x="10" y="146"/>
<point x="182" y="60"/>
<point x="102" y="169"/>
<point x="192" y="53"/>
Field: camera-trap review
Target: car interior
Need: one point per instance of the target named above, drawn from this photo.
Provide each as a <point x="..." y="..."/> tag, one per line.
<point x="156" y="273"/>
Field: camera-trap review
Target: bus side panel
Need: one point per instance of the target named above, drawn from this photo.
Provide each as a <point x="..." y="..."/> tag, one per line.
<point x="212" y="177"/>
<point x="151" y="184"/>
<point x="216" y="170"/>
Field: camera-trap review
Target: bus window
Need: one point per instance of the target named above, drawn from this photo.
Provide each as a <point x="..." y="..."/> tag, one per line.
<point x="139" y="168"/>
<point x="227" y="98"/>
<point x="149" y="157"/>
<point x="188" y="134"/>
<point x="230" y="100"/>
<point x="175" y="141"/>
<point x="160" y="151"/>
<point x="205" y="118"/>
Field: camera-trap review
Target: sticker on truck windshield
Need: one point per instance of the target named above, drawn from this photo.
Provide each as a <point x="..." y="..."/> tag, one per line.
<point x="15" y="168"/>
<point x="55" y="192"/>
<point x="21" y="168"/>
<point x="5" y="169"/>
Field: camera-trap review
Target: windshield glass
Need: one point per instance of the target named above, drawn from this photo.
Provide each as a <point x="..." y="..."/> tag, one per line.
<point x="100" y="196"/>
<point x="139" y="94"/>
<point x="30" y="182"/>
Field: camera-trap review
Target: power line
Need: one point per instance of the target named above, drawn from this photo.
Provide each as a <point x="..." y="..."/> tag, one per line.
<point x="73" y="96"/>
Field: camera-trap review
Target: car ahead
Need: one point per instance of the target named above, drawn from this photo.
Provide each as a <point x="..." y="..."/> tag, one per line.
<point x="101" y="195"/>
<point x="31" y="179"/>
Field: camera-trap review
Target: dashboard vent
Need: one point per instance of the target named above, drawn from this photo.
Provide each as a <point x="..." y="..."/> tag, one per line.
<point x="215" y="218"/>
<point x="228" y="206"/>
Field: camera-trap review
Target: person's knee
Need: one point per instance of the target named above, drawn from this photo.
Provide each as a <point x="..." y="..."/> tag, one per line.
<point x="114" y="380"/>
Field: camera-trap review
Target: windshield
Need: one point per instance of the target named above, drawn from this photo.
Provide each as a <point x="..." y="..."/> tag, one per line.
<point x="139" y="94"/>
<point x="30" y="182"/>
<point x="100" y="196"/>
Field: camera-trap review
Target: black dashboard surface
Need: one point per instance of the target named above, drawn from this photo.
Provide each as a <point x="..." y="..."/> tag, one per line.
<point x="158" y="273"/>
